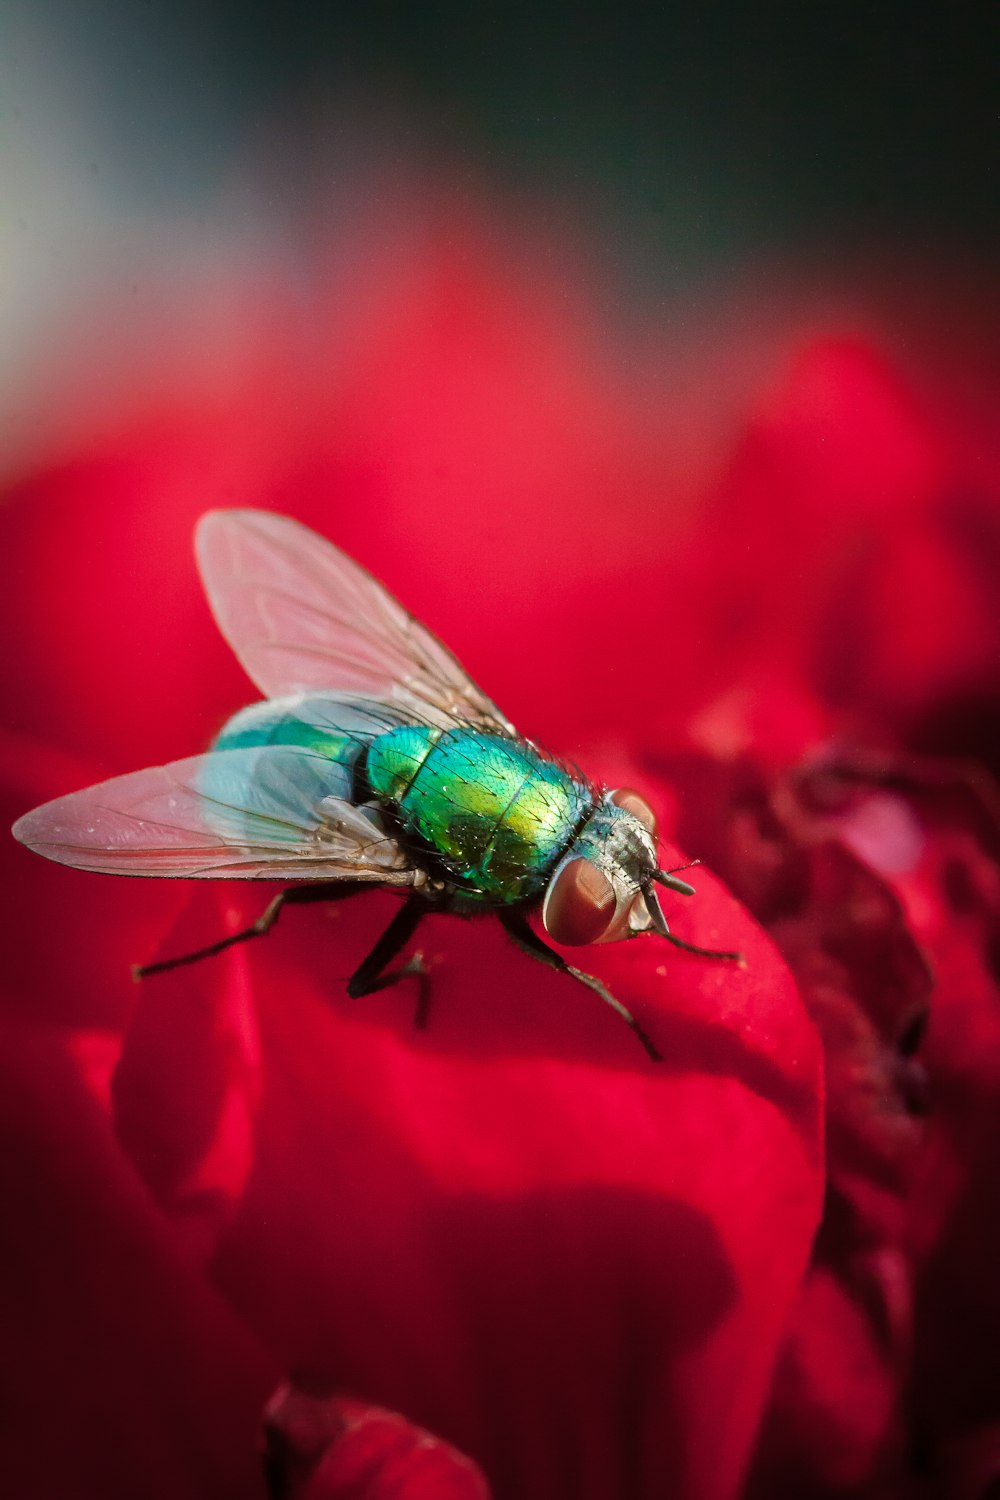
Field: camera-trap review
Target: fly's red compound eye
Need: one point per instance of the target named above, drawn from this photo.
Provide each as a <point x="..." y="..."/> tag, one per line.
<point x="635" y="803"/>
<point x="579" y="904"/>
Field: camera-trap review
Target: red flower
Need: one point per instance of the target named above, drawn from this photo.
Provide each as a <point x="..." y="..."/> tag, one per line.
<point x="340" y="1449"/>
<point x="513" y="1231"/>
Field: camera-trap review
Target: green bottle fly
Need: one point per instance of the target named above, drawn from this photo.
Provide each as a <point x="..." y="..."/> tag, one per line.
<point x="373" y="760"/>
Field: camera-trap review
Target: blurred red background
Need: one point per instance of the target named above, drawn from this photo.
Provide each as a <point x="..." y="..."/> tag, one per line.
<point x="695" y="519"/>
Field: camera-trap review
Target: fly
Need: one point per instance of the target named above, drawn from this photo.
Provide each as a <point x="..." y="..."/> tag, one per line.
<point x="373" y="760"/>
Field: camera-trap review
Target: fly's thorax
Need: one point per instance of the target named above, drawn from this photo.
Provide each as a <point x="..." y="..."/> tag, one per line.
<point x="593" y="894"/>
<point x="490" y="810"/>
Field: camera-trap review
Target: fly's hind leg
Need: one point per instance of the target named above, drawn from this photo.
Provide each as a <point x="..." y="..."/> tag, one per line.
<point x="373" y="973"/>
<point x="262" y="926"/>
<point x="516" y="923"/>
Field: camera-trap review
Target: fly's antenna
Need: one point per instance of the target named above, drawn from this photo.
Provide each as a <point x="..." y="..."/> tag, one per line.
<point x="659" y="921"/>
<point x="667" y="878"/>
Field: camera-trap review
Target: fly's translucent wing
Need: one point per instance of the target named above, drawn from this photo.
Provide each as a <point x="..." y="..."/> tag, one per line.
<point x="276" y="813"/>
<point x="335" y="725"/>
<point x="302" y="617"/>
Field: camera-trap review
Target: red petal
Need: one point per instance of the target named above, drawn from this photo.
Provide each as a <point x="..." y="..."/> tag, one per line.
<point x="516" y="1228"/>
<point x="341" y="1449"/>
<point x="834" y="1425"/>
<point x="123" y="1374"/>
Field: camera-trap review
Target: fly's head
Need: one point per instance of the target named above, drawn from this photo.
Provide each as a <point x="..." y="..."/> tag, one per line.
<point x="604" y="888"/>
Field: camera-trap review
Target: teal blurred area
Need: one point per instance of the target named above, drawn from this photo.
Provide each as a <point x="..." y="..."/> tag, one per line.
<point x="715" y="126"/>
<point x="188" y="191"/>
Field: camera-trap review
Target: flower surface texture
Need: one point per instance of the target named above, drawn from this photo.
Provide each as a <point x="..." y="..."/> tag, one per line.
<point x="261" y="1232"/>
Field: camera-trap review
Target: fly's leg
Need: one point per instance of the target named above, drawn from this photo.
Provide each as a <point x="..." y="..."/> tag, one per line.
<point x="516" y="923"/>
<point x="263" y="925"/>
<point x="372" y="974"/>
<point x="736" y="958"/>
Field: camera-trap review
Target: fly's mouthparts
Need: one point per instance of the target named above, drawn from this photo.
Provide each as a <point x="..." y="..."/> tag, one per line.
<point x="656" y="916"/>
<point x="669" y="879"/>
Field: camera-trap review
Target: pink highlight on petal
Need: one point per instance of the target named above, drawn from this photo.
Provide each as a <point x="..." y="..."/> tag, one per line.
<point x="96" y="1054"/>
<point x="885" y="832"/>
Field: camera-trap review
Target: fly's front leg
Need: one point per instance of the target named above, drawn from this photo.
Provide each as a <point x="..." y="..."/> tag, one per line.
<point x="295" y="895"/>
<point x="736" y="958"/>
<point x="516" y="923"/>
<point x="371" y="976"/>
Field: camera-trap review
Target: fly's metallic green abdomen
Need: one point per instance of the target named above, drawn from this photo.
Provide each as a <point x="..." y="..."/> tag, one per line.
<point x="494" y="811"/>
<point x="326" y="726"/>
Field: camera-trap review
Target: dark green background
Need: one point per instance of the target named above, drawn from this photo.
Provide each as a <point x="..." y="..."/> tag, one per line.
<point x="704" y="131"/>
